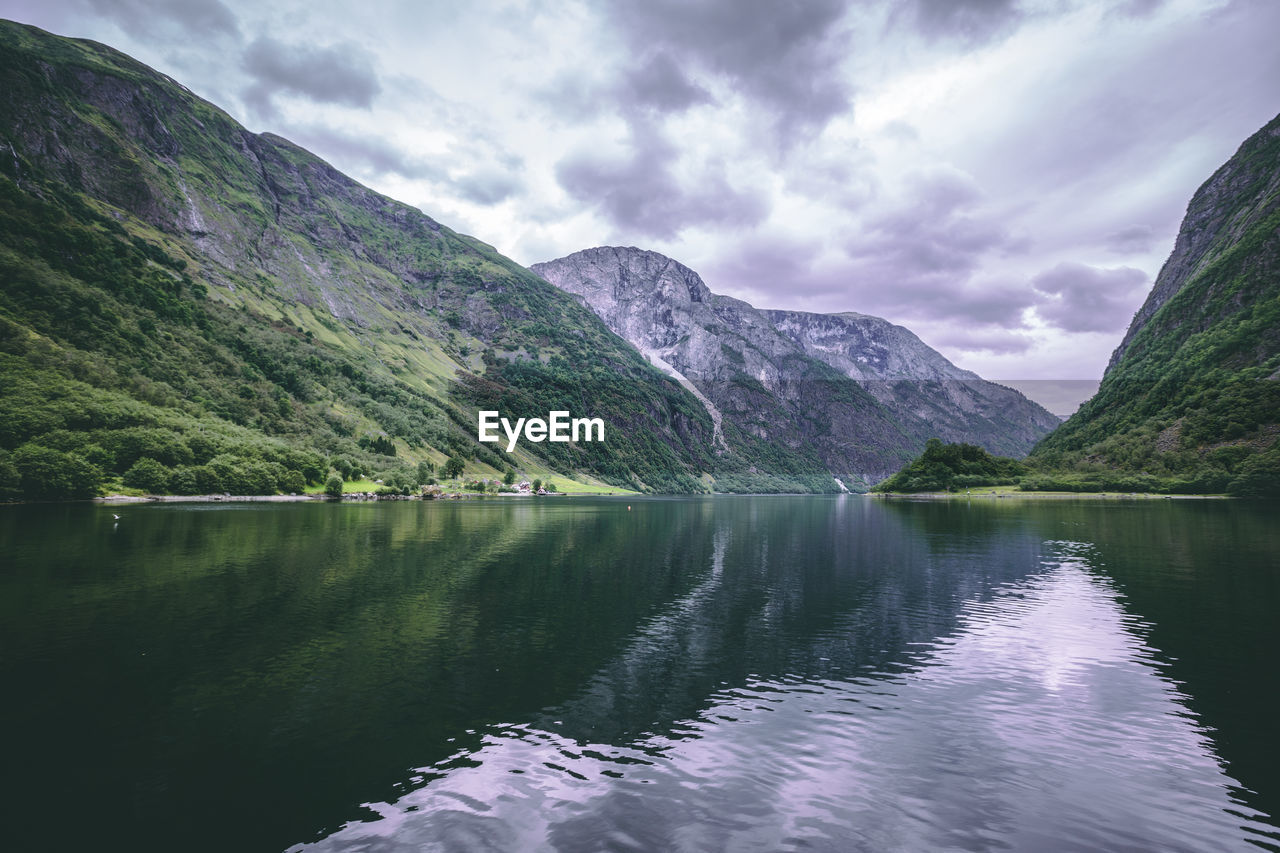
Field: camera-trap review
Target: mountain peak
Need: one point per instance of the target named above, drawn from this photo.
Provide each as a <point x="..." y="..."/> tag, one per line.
<point x="633" y="269"/>
<point x="861" y="391"/>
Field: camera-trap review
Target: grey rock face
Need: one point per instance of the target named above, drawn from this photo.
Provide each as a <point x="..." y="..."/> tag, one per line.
<point x="913" y="379"/>
<point x="865" y="393"/>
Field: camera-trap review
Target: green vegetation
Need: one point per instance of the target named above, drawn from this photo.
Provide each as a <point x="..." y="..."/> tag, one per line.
<point x="1193" y="404"/>
<point x="190" y="308"/>
<point x="333" y="486"/>
<point x="948" y="467"/>
<point x="954" y="467"/>
<point x="453" y="467"/>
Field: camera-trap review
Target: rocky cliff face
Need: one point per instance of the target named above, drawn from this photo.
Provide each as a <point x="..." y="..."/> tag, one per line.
<point x="865" y="393"/>
<point x="912" y="379"/>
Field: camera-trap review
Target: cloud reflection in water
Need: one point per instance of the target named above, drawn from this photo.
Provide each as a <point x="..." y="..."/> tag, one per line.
<point x="1042" y="722"/>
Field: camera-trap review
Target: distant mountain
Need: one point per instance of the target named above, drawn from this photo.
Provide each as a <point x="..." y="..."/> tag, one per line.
<point x="912" y="379"/>
<point x="1192" y="393"/>
<point x="863" y="393"/>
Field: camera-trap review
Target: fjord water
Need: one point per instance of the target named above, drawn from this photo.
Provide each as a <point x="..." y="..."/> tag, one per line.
<point x="729" y="673"/>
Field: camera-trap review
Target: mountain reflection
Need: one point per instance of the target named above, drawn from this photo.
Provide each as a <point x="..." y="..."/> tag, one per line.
<point x="730" y="672"/>
<point x="1036" y="718"/>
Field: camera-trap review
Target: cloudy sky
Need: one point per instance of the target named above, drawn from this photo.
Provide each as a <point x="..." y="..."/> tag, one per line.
<point x="1004" y="177"/>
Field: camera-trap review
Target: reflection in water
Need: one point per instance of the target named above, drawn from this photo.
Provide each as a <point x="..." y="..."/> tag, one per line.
<point x="1041" y="722"/>
<point x="742" y="673"/>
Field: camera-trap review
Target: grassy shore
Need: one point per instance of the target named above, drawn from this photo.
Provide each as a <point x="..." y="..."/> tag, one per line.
<point x="449" y="487"/>
<point x="1005" y="492"/>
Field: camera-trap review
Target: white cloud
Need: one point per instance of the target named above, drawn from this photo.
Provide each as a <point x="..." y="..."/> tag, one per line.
<point x="928" y="161"/>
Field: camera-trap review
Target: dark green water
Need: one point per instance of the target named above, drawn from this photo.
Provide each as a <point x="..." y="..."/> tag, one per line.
<point x="764" y="673"/>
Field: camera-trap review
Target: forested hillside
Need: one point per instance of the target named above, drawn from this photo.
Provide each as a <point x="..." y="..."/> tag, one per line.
<point x="1191" y="400"/>
<point x="186" y="306"/>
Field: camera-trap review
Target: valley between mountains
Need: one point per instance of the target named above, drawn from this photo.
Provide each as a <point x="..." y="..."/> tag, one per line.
<point x="188" y="307"/>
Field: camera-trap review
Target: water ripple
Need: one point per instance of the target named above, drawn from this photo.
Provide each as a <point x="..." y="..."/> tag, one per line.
<point x="1042" y="722"/>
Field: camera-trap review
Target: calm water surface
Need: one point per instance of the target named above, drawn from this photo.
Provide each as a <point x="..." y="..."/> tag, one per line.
<point x="731" y="673"/>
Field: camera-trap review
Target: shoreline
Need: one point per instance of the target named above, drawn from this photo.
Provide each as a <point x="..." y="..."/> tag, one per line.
<point x="362" y="497"/>
<point x="150" y="499"/>
<point x="1147" y="496"/>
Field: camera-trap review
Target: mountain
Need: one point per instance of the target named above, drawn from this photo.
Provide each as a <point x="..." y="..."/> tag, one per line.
<point x="912" y="379"/>
<point x="188" y="306"/>
<point x="1191" y="396"/>
<point x="863" y="393"/>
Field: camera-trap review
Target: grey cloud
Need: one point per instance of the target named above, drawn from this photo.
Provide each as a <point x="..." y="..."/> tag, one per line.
<point x="901" y="131"/>
<point x="1101" y="126"/>
<point x="916" y="261"/>
<point x="1081" y="298"/>
<point x="768" y="265"/>
<point x="1137" y="8"/>
<point x="984" y="303"/>
<point x="1131" y="240"/>
<point x="842" y="176"/>
<point x="879" y="279"/>
<point x="661" y="84"/>
<point x="967" y="20"/>
<point x="488" y="186"/>
<point x="337" y="74"/>
<point x="489" y="183"/>
<point x="196" y="17"/>
<point x="573" y="99"/>
<point x="992" y="339"/>
<point x="639" y="194"/>
<point x="782" y="55"/>
<point x="940" y="190"/>
<point x="364" y="153"/>
<point x="930" y="244"/>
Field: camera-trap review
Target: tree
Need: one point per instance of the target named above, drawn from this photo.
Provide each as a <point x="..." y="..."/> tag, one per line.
<point x="551" y="487"/>
<point x="537" y="484"/>
<point x="454" y="467"/>
<point x="208" y="482"/>
<point x="147" y="474"/>
<point x="509" y="477"/>
<point x="10" y="478"/>
<point x="1259" y="476"/>
<point x="425" y="470"/>
<point x="183" y="482"/>
<point x="333" y="487"/>
<point x="294" y="482"/>
<point x="49" y="474"/>
<point x="378" y="444"/>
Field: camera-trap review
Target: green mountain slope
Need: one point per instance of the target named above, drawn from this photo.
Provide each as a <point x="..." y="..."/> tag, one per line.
<point x="237" y="314"/>
<point x="1191" y="399"/>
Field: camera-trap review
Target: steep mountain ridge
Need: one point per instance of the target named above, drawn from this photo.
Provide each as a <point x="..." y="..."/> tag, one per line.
<point x="757" y="380"/>
<point x="165" y="269"/>
<point x="909" y="377"/>
<point x="1192" y="395"/>
<point x="864" y="393"/>
<point x="1241" y="196"/>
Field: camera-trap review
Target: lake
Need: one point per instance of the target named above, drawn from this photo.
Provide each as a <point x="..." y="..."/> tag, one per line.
<point x="731" y="673"/>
